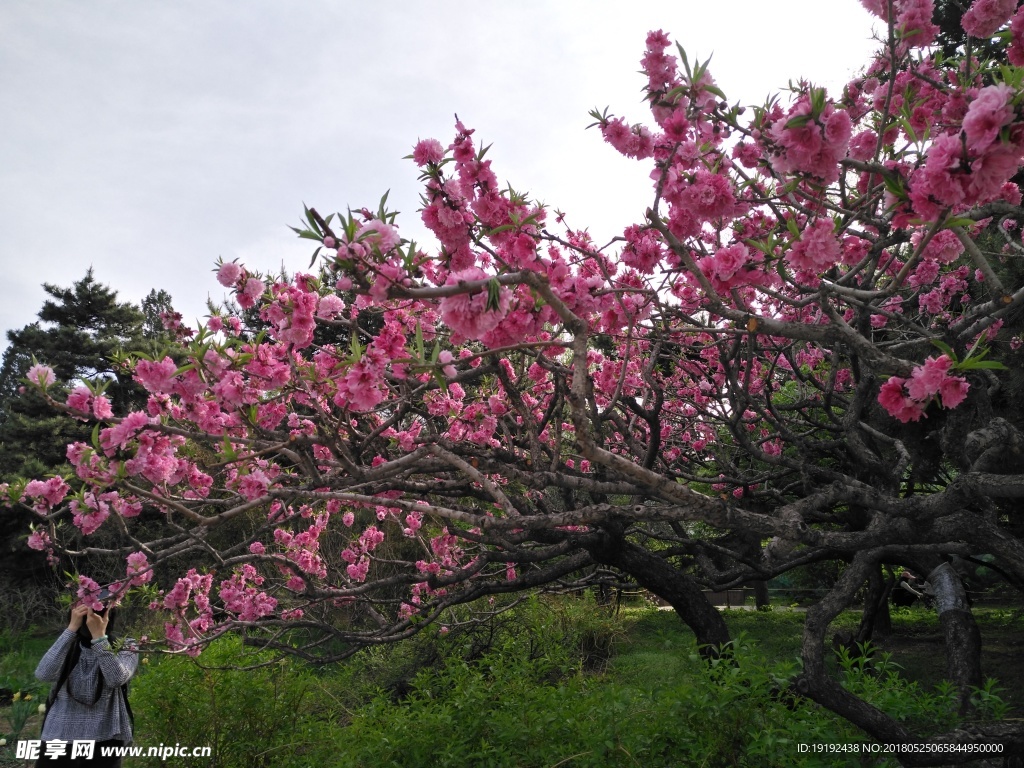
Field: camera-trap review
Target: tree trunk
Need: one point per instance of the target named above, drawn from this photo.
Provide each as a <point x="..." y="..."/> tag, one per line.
<point x="875" y="621"/>
<point x="963" y="638"/>
<point x="676" y="588"/>
<point x="761" y="597"/>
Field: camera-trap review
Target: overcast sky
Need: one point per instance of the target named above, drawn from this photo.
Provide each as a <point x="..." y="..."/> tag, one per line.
<point x="148" y="139"/>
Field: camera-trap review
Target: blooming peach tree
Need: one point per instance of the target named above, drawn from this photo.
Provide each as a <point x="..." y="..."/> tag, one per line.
<point x="802" y="351"/>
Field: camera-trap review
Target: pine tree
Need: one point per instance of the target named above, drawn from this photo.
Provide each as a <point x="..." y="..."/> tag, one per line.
<point x="79" y="332"/>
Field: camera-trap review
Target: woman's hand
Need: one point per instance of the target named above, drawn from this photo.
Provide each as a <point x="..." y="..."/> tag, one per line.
<point x="78" y="614"/>
<point x="97" y="623"/>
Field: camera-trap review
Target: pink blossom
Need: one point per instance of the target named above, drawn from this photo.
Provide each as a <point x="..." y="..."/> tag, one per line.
<point x="156" y="377"/>
<point x="253" y="485"/>
<point x="1015" y="53"/>
<point x="635" y="142"/>
<point x="906" y="400"/>
<point x="428" y="151"/>
<point x="817" y="249"/>
<point x="914" y="21"/>
<point x="41" y="375"/>
<point x="229" y="274"/>
<point x="330" y="306"/>
<point x="467" y="314"/>
<point x="91" y="514"/>
<point x="926" y="380"/>
<point x="985" y="17"/>
<point x="811" y="143"/>
<point x="379" y="234"/>
<point x="939" y="182"/>
<point x="945" y="247"/>
<point x="101" y="407"/>
<point x="39" y="540"/>
<point x="358" y="571"/>
<point x="88" y="593"/>
<point x="953" y="391"/>
<point x="899" y="406"/>
<point x="80" y="399"/>
<point x="139" y="571"/>
<point x="251" y="291"/>
<point x="987" y="115"/>
<point x="51" y="492"/>
<point x="120" y="434"/>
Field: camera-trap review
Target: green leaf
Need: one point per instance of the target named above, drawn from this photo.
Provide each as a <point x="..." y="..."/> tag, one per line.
<point x="312" y="222"/>
<point x="715" y="90"/>
<point x="818" y="99"/>
<point x="945" y="348"/>
<point x="971" y="365"/>
<point x="442" y="382"/>
<point x="493" y="295"/>
<point x="894" y="185"/>
<point x="686" y="62"/>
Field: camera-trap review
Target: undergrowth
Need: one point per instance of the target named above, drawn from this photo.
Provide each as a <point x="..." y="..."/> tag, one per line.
<point x="556" y="682"/>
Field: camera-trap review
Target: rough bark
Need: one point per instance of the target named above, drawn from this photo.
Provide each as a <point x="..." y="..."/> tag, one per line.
<point x="761" y="596"/>
<point x="963" y="638"/>
<point x="875" y="621"/>
<point x="676" y="588"/>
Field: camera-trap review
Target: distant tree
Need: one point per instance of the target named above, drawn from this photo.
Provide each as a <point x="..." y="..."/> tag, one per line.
<point x="155" y="308"/>
<point x="79" y="333"/>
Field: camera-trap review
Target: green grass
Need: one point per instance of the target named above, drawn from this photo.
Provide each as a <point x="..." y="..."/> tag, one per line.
<point x="555" y="682"/>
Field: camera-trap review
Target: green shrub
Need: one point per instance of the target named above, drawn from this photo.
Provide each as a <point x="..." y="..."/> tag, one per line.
<point x="550" y="682"/>
<point x="270" y="715"/>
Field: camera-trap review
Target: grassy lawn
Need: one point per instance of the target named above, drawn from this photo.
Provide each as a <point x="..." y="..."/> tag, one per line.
<point x="916" y="644"/>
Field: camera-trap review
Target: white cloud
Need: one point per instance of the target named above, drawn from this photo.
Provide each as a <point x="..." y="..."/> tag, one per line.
<point x="147" y="139"/>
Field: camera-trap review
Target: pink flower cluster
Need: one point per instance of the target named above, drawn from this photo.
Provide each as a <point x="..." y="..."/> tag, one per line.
<point x="88" y="593"/>
<point x="818" y="249"/>
<point x="1015" y="53"/>
<point x="357" y="553"/>
<point x="467" y="314"/>
<point x="138" y="571"/>
<point x="733" y="266"/>
<point x="913" y="19"/>
<point x="973" y="169"/>
<point x="241" y="597"/>
<point x="632" y="141"/>
<point x="907" y="399"/>
<point x="41" y="375"/>
<point x="985" y="17"/>
<point x="46" y="493"/>
<point x="811" y="142"/>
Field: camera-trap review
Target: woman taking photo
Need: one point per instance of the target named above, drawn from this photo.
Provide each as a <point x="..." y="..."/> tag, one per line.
<point x="88" y="701"/>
